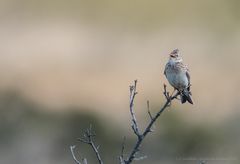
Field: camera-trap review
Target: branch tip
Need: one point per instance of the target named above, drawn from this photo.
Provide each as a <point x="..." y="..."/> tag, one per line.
<point x="89" y="134"/>
<point x="73" y="155"/>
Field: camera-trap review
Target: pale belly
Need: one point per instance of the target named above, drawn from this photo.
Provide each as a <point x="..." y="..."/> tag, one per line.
<point x="178" y="80"/>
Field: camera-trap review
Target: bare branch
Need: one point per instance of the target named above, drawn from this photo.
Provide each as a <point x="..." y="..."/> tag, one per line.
<point x="133" y="92"/>
<point x="88" y="139"/>
<point x="165" y="93"/>
<point x="96" y="152"/>
<point x="136" y="148"/>
<point x="149" y="113"/>
<point x="84" y="161"/>
<point x="121" y="157"/>
<point x="73" y="155"/>
<point x="123" y="146"/>
<point x="121" y="160"/>
<point x="88" y="135"/>
<point x="148" y="107"/>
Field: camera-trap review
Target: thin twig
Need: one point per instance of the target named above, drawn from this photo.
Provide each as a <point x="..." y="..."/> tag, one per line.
<point x="84" y="161"/>
<point x="133" y="92"/>
<point x="149" y="113"/>
<point x="123" y="146"/>
<point x="88" y="139"/>
<point x="121" y="157"/>
<point x="149" y="126"/>
<point x="88" y="135"/>
<point x="73" y="155"/>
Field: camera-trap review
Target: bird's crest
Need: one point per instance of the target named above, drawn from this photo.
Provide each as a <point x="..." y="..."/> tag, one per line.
<point x="174" y="53"/>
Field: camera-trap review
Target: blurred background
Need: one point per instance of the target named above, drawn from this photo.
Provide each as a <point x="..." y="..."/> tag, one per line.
<point x="67" y="64"/>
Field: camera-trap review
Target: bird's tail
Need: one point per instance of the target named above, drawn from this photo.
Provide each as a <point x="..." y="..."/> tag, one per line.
<point x="186" y="96"/>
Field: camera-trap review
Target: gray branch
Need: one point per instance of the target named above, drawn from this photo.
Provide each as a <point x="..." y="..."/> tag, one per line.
<point x="74" y="157"/>
<point x="133" y="93"/>
<point x="121" y="157"/>
<point x="88" y="139"/>
<point x="88" y="135"/>
<point x="141" y="137"/>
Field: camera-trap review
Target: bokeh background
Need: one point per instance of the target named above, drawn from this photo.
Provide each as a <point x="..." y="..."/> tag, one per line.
<point x="67" y="64"/>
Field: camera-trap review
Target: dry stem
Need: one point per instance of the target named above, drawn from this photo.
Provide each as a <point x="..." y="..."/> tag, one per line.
<point x="141" y="136"/>
<point x="88" y="135"/>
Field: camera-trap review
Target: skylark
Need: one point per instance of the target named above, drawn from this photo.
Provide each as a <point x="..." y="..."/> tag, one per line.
<point x="178" y="76"/>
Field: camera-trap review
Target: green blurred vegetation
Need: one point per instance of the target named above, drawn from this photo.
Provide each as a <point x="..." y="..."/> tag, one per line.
<point x="22" y="121"/>
<point x="21" y="118"/>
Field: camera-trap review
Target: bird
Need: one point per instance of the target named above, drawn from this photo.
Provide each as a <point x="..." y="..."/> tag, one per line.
<point x="178" y="76"/>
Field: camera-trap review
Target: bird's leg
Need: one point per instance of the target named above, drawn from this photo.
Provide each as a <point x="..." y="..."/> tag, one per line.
<point x="173" y="92"/>
<point x="170" y="97"/>
<point x="179" y="92"/>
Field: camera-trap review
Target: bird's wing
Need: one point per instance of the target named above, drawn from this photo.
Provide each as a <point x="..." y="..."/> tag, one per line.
<point x="166" y="66"/>
<point x="184" y="67"/>
<point x="188" y="77"/>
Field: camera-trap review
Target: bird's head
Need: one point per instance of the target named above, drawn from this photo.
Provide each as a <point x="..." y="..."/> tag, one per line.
<point x="174" y="56"/>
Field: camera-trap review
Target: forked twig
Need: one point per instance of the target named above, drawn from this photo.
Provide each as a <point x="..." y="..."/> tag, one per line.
<point x="74" y="157"/>
<point x="133" y="93"/>
<point x="88" y="135"/>
<point x="140" y="136"/>
<point x="148" y="107"/>
<point x="88" y="139"/>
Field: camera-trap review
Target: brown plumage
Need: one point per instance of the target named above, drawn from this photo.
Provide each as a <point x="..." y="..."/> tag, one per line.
<point x="178" y="76"/>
